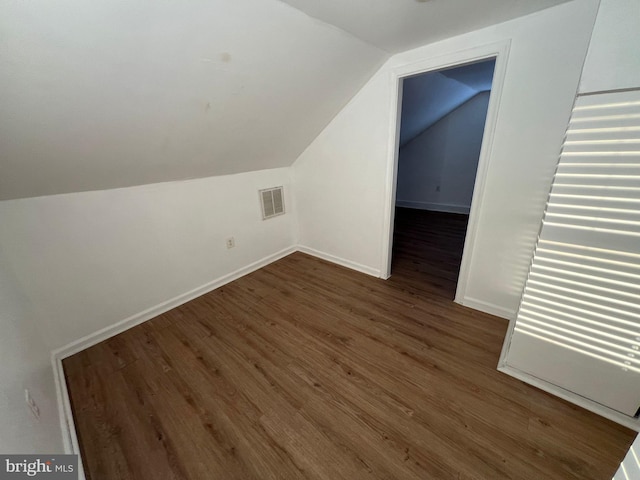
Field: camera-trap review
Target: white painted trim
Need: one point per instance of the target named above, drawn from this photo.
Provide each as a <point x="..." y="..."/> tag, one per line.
<point x="477" y="200"/>
<point x="486" y="307"/>
<point x="62" y="396"/>
<point x="119" y="327"/>
<point x="391" y="182"/>
<point x="507" y="341"/>
<point x="339" y="261"/>
<point x="67" y="425"/>
<point x="499" y="51"/>
<point x="598" y="409"/>
<point x="434" y="207"/>
<point x="105" y="333"/>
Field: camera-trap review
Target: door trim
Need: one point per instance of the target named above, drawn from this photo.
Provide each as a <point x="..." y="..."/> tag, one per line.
<point x="497" y="50"/>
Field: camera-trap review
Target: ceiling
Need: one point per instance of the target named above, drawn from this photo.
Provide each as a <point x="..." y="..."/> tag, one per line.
<point x="113" y="93"/>
<point x="428" y="97"/>
<point x="477" y="76"/>
<point x="398" y="25"/>
<point x="107" y="94"/>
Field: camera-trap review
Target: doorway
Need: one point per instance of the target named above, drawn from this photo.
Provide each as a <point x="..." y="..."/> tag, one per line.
<point x="442" y="122"/>
<point x="494" y="54"/>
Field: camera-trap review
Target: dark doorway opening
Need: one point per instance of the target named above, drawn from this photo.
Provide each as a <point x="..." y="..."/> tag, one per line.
<point x="427" y="248"/>
<point x="442" y="125"/>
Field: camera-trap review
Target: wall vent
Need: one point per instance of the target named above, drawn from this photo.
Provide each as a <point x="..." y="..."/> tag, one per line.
<point x="272" y="200"/>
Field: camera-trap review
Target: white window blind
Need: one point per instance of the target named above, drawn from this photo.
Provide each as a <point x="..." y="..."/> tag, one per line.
<point x="578" y="325"/>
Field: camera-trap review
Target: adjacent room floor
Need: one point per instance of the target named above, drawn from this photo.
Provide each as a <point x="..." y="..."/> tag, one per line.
<point x="307" y="370"/>
<point x="427" y="249"/>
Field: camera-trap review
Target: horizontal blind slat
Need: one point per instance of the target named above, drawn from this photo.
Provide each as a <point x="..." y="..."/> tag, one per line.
<point x="620" y="347"/>
<point x="602" y="236"/>
<point x="621" y="343"/>
<point x="626" y="147"/>
<point x="594" y="209"/>
<point x="621" y="194"/>
<point x="611" y="121"/>
<point x="612" y="179"/>
<point x="599" y="201"/>
<point x="602" y="168"/>
<point x="553" y="260"/>
<point x="588" y="348"/>
<point x="607" y="134"/>
<point x="615" y="286"/>
<point x="584" y="318"/>
<point x="584" y="309"/>
<point x="603" y="300"/>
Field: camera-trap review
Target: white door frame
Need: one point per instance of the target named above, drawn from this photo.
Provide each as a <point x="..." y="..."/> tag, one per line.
<point x="499" y="51"/>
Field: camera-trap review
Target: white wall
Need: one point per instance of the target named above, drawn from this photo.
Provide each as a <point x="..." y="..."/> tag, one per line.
<point x="613" y="61"/>
<point x="437" y="169"/>
<point x="24" y="364"/>
<point x="92" y="259"/>
<point x="340" y="178"/>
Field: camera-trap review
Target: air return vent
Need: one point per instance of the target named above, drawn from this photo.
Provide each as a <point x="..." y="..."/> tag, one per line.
<point x="272" y="200"/>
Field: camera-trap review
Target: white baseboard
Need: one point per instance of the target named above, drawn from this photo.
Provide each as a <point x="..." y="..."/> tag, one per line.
<point x="487" y="307"/>
<point x="598" y="409"/>
<point x="64" y="405"/>
<point x="123" y="325"/>
<point x="69" y="437"/>
<point x="141" y="317"/>
<point x="436" y="207"/>
<point x="67" y="423"/>
<point x="340" y="261"/>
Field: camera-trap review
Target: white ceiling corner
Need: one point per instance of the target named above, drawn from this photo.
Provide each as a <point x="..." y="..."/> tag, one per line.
<point x="398" y="25"/>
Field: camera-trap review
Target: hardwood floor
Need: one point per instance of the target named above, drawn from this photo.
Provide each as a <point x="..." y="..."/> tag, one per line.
<point x="427" y="249"/>
<point x="307" y="370"/>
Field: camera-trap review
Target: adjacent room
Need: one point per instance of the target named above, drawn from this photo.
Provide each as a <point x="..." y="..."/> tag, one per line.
<point x="441" y="129"/>
<point x="293" y="239"/>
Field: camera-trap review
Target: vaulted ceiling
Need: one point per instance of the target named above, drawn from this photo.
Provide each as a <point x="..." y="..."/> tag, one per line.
<point x="106" y="94"/>
<point x="428" y="97"/>
<point x="398" y="25"/>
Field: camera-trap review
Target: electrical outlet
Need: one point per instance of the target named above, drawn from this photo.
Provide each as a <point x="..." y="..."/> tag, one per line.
<point x="32" y="403"/>
<point x="231" y="242"/>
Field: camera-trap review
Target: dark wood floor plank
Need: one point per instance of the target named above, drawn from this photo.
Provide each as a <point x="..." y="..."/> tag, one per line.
<point x="308" y="370"/>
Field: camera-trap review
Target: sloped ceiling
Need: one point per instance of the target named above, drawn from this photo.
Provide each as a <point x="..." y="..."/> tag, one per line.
<point x="478" y="76"/>
<point x="398" y="25"/>
<point x="104" y="94"/>
<point x="428" y="97"/>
